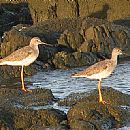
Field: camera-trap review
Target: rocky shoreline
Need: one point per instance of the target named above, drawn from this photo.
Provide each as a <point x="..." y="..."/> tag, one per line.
<point x="17" y="110"/>
<point x="80" y="35"/>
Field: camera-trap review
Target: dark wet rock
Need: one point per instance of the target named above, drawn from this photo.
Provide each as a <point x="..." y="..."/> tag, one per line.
<point x="86" y="113"/>
<point x="12" y="13"/>
<point x="10" y="72"/>
<point x="76" y="59"/>
<point x="38" y="97"/>
<point x="61" y="126"/>
<point x="20" y="118"/>
<point x="22" y="110"/>
<point x="4" y="125"/>
<point x="96" y="116"/>
<point x="110" y="95"/>
<point x="70" y="39"/>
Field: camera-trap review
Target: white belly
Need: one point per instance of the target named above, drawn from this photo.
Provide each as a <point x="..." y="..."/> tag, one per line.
<point x="27" y="61"/>
<point x="100" y="75"/>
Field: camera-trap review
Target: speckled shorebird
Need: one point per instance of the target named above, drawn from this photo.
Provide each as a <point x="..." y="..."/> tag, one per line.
<point x="23" y="57"/>
<point x="100" y="70"/>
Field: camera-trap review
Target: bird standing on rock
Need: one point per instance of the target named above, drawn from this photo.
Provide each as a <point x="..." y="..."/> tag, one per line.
<point x="100" y="70"/>
<point x="24" y="56"/>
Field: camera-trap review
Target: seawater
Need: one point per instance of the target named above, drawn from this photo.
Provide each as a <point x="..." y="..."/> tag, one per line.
<point x="62" y="84"/>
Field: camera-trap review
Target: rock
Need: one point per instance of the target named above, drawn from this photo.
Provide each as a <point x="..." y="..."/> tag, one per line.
<point x="52" y="9"/>
<point x="71" y="40"/>
<point x="76" y="59"/>
<point x="61" y="126"/>
<point x="20" y="110"/>
<point x="110" y="95"/>
<point x="4" y="125"/>
<point x="12" y="13"/>
<point x="13" y="40"/>
<point x="102" y="38"/>
<point x="95" y="116"/>
<point x="99" y="35"/>
<point x="67" y="8"/>
<point x="41" y="11"/>
<point x="38" y="97"/>
<point x="32" y="119"/>
<point x="46" y="53"/>
<point x="89" y="114"/>
<point x="86" y="46"/>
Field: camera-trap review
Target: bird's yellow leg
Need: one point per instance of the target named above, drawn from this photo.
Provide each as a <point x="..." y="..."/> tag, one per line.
<point x="22" y="79"/>
<point x="99" y="92"/>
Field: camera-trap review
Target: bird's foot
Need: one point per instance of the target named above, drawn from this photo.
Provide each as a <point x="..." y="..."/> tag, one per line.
<point x="25" y="90"/>
<point x="103" y="102"/>
<point x="29" y="91"/>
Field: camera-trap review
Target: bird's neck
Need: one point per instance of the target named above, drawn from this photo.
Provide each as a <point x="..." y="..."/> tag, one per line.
<point x="35" y="47"/>
<point x="114" y="57"/>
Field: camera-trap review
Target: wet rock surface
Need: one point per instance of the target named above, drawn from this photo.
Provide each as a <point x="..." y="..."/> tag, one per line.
<point x="26" y="99"/>
<point x="76" y="59"/>
<point x="86" y="113"/>
<point x="32" y="119"/>
<point x="12" y="13"/>
<point x="16" y="110"/>
<point x="20" y="110"/>
<point x="110" y="95"/>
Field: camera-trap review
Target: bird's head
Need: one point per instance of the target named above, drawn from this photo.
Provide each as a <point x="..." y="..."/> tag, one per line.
<point x="117" y="51"/>
<point x="36" y="41"/>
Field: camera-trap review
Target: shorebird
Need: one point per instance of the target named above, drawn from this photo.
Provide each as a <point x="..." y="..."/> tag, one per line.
<point x="23" y="57"/>
<point x="100" y="70"/>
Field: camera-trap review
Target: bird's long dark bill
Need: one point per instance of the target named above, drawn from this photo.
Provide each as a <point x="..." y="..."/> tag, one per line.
<point x="126" y="54"/>
<point x="46" y="44"/>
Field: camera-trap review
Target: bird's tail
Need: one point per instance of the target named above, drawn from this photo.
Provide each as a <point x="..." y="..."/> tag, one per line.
<point x="1" y="62"/>
<point x="79" y="74"/>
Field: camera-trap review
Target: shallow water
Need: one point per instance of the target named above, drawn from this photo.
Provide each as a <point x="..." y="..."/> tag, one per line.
<point x="61" y="84"/>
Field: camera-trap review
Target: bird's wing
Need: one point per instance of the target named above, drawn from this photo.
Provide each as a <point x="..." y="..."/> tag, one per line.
<point x="97" y="68"/>
<point x="94" y="69"/>
<point x="19" y="54"/>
